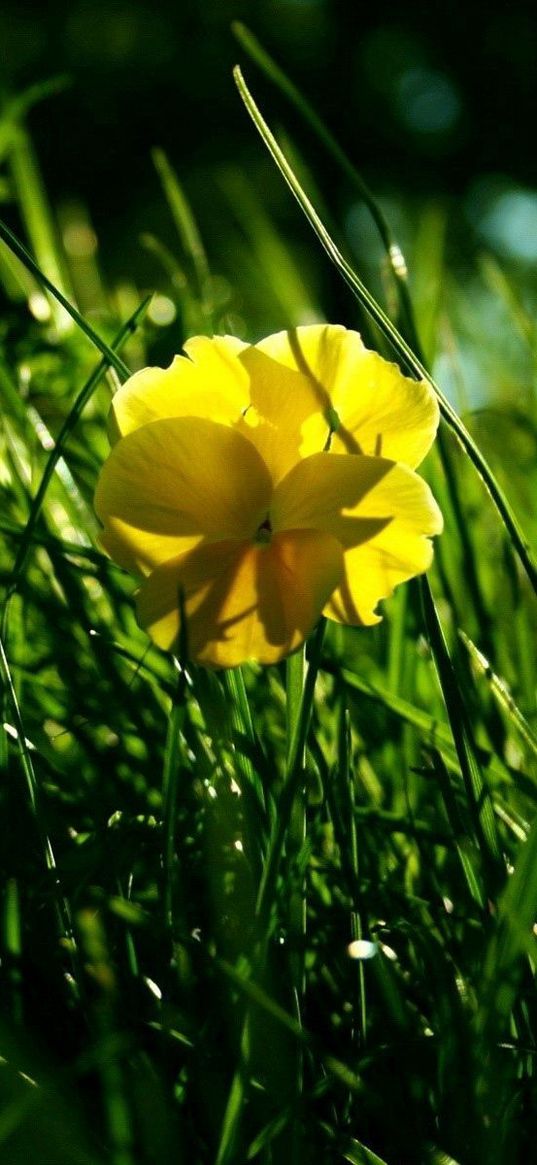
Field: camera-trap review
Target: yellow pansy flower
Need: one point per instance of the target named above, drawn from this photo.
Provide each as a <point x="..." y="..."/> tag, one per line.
<point x="267" y="484"/>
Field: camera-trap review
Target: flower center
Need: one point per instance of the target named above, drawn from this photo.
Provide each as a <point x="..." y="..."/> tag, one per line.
<point x="263" y="534"/>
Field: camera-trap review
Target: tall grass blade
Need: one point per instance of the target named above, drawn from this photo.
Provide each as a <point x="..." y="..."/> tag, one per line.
<point x="478" y="795"/>
<point x="37" y="218"/>
<point x="388" y="329"/>
<point x="501" y="693"/>
<point x="279" y="78"/>
<point x="188" y="232"/>
<point x="32" y="790"/>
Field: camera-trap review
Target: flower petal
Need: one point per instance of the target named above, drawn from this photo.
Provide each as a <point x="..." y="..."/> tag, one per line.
<point x="171" y="483"/>
<point x="371" y="573"/>
<point x="380" y="411"/>
<point x="242" y="601"/>
<point x="287" y="417"/>
<point x="382" y="513"/>
<point x="210" y="384"/>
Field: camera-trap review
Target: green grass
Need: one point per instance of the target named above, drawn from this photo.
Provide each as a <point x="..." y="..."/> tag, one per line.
<point x="188" y="856"/>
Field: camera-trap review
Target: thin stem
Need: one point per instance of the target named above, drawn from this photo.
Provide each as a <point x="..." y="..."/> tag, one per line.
<point x="297" y="900"/>
<point x="169" y="796"/>
<point x="265" y="899"/>
<point x="292" y="782"/>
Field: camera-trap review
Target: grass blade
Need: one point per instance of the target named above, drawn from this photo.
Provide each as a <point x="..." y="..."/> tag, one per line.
<point x="390" y="332"/>
<point x="478" y="795"/>
<point x="188" y="232"/>
<point x="501" y="694"/>
<point x="67" y="427"/>
<point x="14" y="245"/>
<point x="275" y="73"/>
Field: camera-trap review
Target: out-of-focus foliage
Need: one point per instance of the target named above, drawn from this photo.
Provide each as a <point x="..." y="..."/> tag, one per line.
<point x="428" y="111"/>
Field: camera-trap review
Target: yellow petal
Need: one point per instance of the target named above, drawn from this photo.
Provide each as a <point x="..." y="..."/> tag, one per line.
<point x="371" y="573"/>
<point x="381" y="412"/>
<point x="287" y="416"/>
<point x="242" y="602"/>
<point x="331" y="493"/>
<point x="173" y="482"/>
<point x="210" y="383"/>
<point x="382" y="513"/>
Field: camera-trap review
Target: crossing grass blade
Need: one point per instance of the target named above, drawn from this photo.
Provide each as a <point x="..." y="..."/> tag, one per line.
<point x="19" y="250"/>
<point x="394" y="338"/>
<point x="69" y="423"/>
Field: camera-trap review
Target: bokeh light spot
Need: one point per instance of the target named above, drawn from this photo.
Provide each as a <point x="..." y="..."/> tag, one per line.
<point x="510" y="224"/>
<point x="161" y="311"/>
<point x="428" y="102"/>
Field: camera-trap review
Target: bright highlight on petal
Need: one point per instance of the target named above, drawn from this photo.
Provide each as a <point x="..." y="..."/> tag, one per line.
<point x="256" y="486"/>
<point x="210" y="384"/>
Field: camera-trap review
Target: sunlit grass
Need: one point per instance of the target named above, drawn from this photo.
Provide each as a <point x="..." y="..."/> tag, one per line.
<point x="270" y="915"/>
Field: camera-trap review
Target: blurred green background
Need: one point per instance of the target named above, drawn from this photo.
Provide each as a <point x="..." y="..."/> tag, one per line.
<point x="431" y="103"/>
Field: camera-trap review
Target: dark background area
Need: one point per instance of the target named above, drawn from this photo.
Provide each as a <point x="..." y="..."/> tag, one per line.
<point x="431" y="102"/>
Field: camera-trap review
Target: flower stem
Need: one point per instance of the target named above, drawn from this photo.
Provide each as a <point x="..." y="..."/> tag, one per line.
<point x="292" y="781"/>
<point x="297" y="899"/>
<point x="299" y="716"/>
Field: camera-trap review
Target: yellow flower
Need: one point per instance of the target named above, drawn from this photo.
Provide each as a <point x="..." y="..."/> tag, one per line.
<point x="266" y="484"/>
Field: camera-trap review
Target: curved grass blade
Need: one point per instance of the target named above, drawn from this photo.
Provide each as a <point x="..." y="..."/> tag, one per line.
<point x="61" y="546"/>
<point x="14" y="245"/>
<point x="358" y="1154"/>
<point x="394" y="337"/>
<point x="17" y="107"/>
<point x="279" y="78"/>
